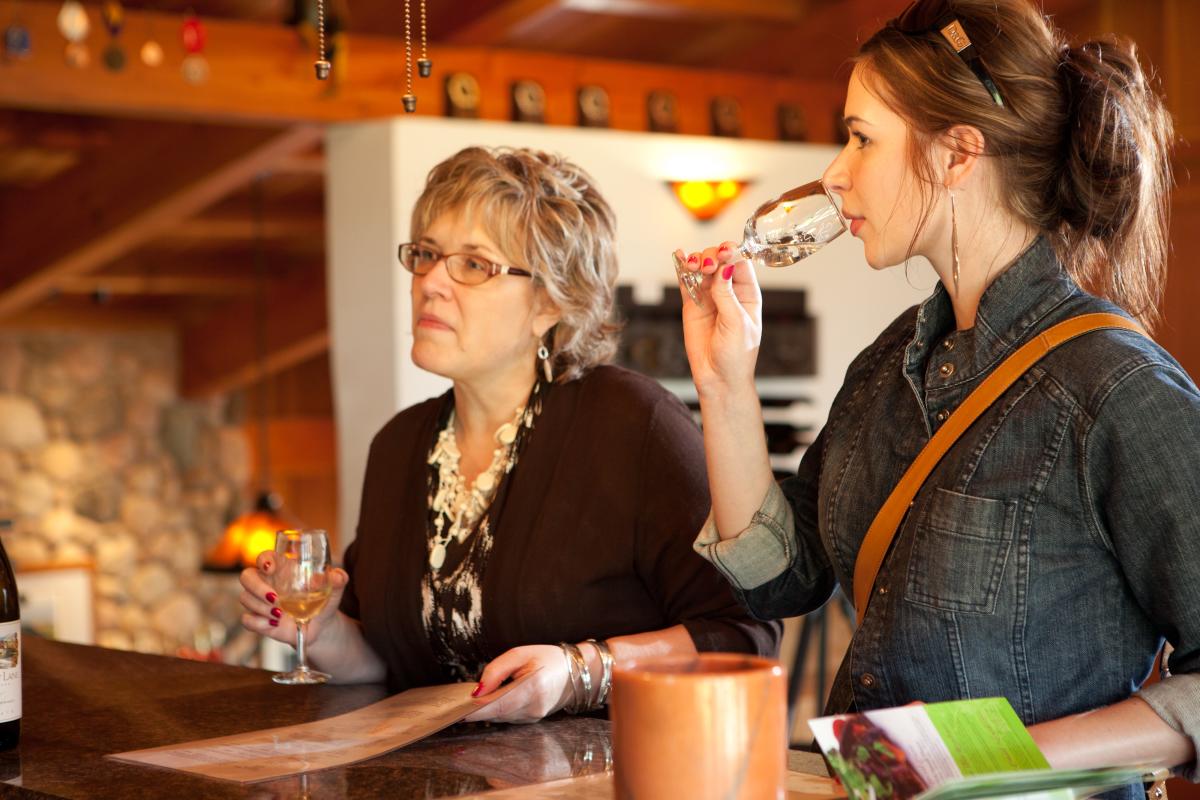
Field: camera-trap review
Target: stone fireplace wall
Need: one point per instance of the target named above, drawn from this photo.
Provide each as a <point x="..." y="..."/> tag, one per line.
<point x="102" y="462"/>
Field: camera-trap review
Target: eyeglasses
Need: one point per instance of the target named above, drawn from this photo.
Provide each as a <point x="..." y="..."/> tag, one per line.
<point x="919" y="19"/>
<point x="420" y="259"/>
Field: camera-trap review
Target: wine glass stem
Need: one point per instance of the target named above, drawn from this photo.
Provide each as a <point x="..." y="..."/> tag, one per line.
<point x="300" y="646"/>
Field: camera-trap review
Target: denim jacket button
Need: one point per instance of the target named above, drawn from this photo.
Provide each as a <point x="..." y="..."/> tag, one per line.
<point x="948" y="344"/>
<point x="883" y="590"/>
<point x="867" y="680"/>
<point x="946" y="369"/>
<point x="942" y="415"/>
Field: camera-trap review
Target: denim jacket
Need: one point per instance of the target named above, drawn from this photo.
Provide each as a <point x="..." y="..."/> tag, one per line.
<point x="1047" y="556"/>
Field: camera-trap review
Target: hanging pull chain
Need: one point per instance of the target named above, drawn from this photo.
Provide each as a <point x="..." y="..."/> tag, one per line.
<point x="322" y="65"/>
<point x="409" y="99"/>
<point x="424" y="65"/>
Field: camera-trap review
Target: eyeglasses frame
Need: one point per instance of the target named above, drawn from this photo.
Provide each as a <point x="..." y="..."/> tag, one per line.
<point x="494" y="269"/>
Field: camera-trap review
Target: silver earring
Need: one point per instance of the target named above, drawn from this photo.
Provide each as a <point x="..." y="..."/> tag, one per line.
<point x="544" y="355"/>
<point x="954" y="240"/>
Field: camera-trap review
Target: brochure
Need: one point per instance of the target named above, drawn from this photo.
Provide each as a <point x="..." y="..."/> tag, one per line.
<point x="951" y="751"/>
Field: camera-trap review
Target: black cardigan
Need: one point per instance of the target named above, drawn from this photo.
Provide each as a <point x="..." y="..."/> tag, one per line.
<point x="595" y="539"/>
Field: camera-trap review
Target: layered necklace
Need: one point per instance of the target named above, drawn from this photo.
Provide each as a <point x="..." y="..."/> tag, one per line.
<point x="456" y="509"/>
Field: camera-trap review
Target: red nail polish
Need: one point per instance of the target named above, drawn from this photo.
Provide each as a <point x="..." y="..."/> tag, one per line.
<point x="723" y="249"/>
<point x="274" y="623"/>
<point x="276" y="613"/>
<point x="478" y="689"/>
<point x="708" y="262"/>
<point x="692" y="259"/>
<point x="727" y="273"/>
<point x="272" y="597"/>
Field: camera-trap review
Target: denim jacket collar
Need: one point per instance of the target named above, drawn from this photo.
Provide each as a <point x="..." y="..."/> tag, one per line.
<point x="942" y="358"/>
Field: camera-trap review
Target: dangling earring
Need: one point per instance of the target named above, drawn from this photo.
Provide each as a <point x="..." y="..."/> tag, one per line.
<point x="544" y="356"/>
<point x="954" y="239"/>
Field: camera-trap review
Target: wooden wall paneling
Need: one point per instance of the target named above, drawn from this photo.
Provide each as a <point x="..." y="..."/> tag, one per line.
<point x="303" y="466"/>
<point x="220" y="354"/>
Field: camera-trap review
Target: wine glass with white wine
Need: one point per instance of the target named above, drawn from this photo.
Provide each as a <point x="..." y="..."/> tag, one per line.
<point x="781" y="232"/>
<point x="301" y="580"/>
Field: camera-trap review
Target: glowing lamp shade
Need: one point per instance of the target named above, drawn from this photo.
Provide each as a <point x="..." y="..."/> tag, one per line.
<point x="705" y="199"/>
<point x="247" y="536"/>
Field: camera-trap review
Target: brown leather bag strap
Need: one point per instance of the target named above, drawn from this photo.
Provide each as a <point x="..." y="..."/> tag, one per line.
<point x="883" y="529"/>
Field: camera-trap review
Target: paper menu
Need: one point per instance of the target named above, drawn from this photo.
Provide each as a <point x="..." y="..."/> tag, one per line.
<point x="901" y="752"/>
<point x="337" y="741"/>
<point x="951" y="751"/>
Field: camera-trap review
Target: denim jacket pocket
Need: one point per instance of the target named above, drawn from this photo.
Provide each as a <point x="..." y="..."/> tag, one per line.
<point x="961" y="548"/>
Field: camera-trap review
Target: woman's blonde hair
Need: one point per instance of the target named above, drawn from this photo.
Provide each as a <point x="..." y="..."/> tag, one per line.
<point x="544" y="214"/>
<point x="1082" y="143"/>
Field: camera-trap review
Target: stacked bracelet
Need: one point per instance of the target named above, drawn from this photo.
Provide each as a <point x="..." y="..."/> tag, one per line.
<point x="580" y="676"/>
<point x="606" y="671"/>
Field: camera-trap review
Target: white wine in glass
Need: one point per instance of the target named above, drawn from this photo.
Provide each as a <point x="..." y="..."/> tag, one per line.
<point x="781" y="232"/>
<point x="301" y="580"/>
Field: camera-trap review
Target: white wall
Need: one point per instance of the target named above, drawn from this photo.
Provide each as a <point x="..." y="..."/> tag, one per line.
<point x="377" y="170"/>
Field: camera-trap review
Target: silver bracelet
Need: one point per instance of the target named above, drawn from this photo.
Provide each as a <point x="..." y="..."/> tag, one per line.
<point x="578" y="668"/>
<point x="570" y="675"/>
<point x="606" y="671"/>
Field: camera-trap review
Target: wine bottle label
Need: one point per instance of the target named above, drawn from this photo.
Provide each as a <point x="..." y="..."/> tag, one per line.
<point x="10" y="671"/>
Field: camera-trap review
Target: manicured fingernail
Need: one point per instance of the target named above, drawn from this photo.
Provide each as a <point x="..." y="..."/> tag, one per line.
<point x="478" y="689"/>
<point x="271" y="597"/>
<point x="727" y="273"/>
<point x="723" y="249"/>
<point x="708" y="262"/>
<point x="692" y="259"/>
<point x="274" y="623"/>
<point x="276" y="613"/>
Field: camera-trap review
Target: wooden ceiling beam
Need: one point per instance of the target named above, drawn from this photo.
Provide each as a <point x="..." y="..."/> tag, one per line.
<point x="305" y="164"/>
<point x="245" y="229"/>
<point x="162" y="285"/>
<point x="90" y="216"/>
<point x="263" y="74"/>
<point x="218" y="355"/>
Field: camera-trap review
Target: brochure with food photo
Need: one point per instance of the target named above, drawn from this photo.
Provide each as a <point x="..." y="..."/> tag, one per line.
<point x="951" y="751"/>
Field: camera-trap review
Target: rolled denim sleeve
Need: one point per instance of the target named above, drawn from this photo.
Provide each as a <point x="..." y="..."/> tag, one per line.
<point x="759" y="553"/>
<point x="1177" y="700"/>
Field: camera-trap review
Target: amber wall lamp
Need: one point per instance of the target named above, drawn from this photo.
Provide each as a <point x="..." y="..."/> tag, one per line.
<point x="704" y="200"/>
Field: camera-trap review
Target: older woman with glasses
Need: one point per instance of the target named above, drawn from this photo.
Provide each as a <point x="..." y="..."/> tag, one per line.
<point x="1026" y="529"/>
<point x="537" y="517"/>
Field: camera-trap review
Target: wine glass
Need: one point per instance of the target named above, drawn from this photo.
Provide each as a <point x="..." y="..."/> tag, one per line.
<point x="781" y="233"/>
<point x="301" y="580"/>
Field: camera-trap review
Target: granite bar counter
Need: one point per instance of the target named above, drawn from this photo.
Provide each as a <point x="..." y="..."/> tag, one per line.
<point x="82" y="703"/>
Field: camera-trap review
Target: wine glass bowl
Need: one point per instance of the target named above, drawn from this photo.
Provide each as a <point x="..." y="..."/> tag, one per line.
<point x="781" y="232"/>
<point x="301" y="581"/>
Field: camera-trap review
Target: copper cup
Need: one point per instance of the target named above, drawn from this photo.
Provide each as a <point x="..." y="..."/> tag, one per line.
<point x="712" y="725"/>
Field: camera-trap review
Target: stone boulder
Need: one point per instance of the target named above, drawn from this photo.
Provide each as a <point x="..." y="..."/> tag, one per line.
<point x="33" y="494"/>
<point x="62" y="460"/>
<point x="21" y="423"/>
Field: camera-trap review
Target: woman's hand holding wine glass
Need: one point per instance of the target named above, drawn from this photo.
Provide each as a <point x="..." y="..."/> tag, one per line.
<point x="283" y="592"/>
<point x="722" y="334"/>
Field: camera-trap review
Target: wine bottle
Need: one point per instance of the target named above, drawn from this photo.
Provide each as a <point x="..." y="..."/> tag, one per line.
<point x="10" y="653"/>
